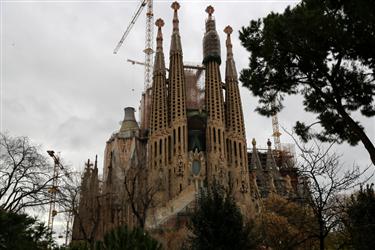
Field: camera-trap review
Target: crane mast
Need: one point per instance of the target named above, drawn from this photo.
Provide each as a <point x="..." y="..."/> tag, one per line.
<point x="276" y="132"/>
<point x="275" y="128"/>
<point x="148" y="41"/>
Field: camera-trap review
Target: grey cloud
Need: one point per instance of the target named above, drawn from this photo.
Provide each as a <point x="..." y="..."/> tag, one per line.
<point x="63" y="87"/>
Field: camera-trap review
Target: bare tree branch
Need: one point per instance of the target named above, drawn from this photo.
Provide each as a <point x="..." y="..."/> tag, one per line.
<point x="327" y="180"/>
<point x="26" y="176"/>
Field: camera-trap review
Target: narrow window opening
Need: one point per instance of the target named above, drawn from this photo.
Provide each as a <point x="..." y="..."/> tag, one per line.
<point x="174" y="137"/>
<point x="179" y="134"/>
<point x="219" y="135"/>
<point x="169" y="148"/>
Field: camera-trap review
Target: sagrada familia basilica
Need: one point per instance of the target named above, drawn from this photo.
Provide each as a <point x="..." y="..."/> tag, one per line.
<point x="190" y="135"/>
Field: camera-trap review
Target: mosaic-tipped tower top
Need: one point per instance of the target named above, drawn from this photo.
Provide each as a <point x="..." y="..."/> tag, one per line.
<point x="176" y="40"/>
<point x="211" y="41"/>
<point x="159" y="65"/>
<point x="230" y="69"/>
<point x="159" y="38"/>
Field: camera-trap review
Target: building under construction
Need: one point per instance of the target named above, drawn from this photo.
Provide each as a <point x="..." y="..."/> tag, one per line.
<point x="191" y="133"/>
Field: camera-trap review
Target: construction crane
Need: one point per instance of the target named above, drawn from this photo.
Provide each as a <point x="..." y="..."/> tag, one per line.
<point x="149" y="38"/>
<point x="186" y="66"/>
<point x="275" y="129"/>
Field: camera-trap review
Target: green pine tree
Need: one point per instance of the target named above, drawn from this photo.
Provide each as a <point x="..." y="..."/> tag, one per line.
<point x="20" y="231"/>
<point x="124" y="239"/>
<point x="361" y="219"/>
<point x="217" y="223"/>
<point x="322" y="50"/>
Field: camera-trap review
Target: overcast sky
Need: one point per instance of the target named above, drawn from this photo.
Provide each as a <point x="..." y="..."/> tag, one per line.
<point x="63" y="87"/>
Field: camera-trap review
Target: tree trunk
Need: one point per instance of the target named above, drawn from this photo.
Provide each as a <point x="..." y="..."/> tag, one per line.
<point x="321" y="236"/>
<point x="360" y="133"/>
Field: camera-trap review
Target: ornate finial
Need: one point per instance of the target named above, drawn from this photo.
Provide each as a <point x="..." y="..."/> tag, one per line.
<point x="228" y="30"/>
<point x="210" y="10"/>
<point x="269" y="143"/>
<point x="159" y="23"/>
<point x="175" y="6"/>
<point x="254" y="142"/>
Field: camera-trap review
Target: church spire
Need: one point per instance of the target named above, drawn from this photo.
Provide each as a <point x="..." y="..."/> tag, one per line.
<point x="177" y="114"/>
<point x="234" y="114"/>
<point x="176" y="39"/>
<point x="177" y="89"/>
<point x="235" y="127"/>
<point x="211" y="41"/>
<point x="159" y="109"/>
<point x="215" y="130"/>
<point x="230" y="70"/>
<point x="159" y="65"/>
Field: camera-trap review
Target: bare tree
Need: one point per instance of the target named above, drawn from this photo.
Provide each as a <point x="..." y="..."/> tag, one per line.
<point x="140" y="193"/>
<point x="326" y="179"/>
<point x="25" y="174"/>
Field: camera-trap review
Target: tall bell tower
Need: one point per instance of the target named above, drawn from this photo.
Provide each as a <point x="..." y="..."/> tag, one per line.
<point x="235" y="129"/>
<point x="157" y="146"/>
<point x="177" y="174"/>
<point x="215" y="130"/>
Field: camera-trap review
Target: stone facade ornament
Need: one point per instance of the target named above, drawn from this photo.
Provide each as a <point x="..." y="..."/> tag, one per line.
<point x="180" y="166"/>
<point x="243" y="188"/>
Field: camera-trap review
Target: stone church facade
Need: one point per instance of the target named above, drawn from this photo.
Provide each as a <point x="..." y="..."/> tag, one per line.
<point x="191" y="134"/>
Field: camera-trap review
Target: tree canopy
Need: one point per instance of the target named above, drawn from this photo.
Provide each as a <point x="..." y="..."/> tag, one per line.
<point x="217" y="223"/>
<point x="121" y="238"/>
<point x="25" y="174"/>
<point x="284" y="224"/>
<point x="324" y="51"/>
<point x="361" y="219"/>
<point x="20" y="231"/>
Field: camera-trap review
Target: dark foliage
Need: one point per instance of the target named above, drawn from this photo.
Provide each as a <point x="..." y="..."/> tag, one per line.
<point x="121" y="238"/>
<point x="217" y="223"/>
<point x="323" y="50"/>
<point x="20" y="231"/>
<point x="361" y="219"/>
<point x="124" y="239"/>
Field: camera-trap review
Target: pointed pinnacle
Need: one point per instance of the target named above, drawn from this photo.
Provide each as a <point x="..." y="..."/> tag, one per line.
<point x="210" y="10"/>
